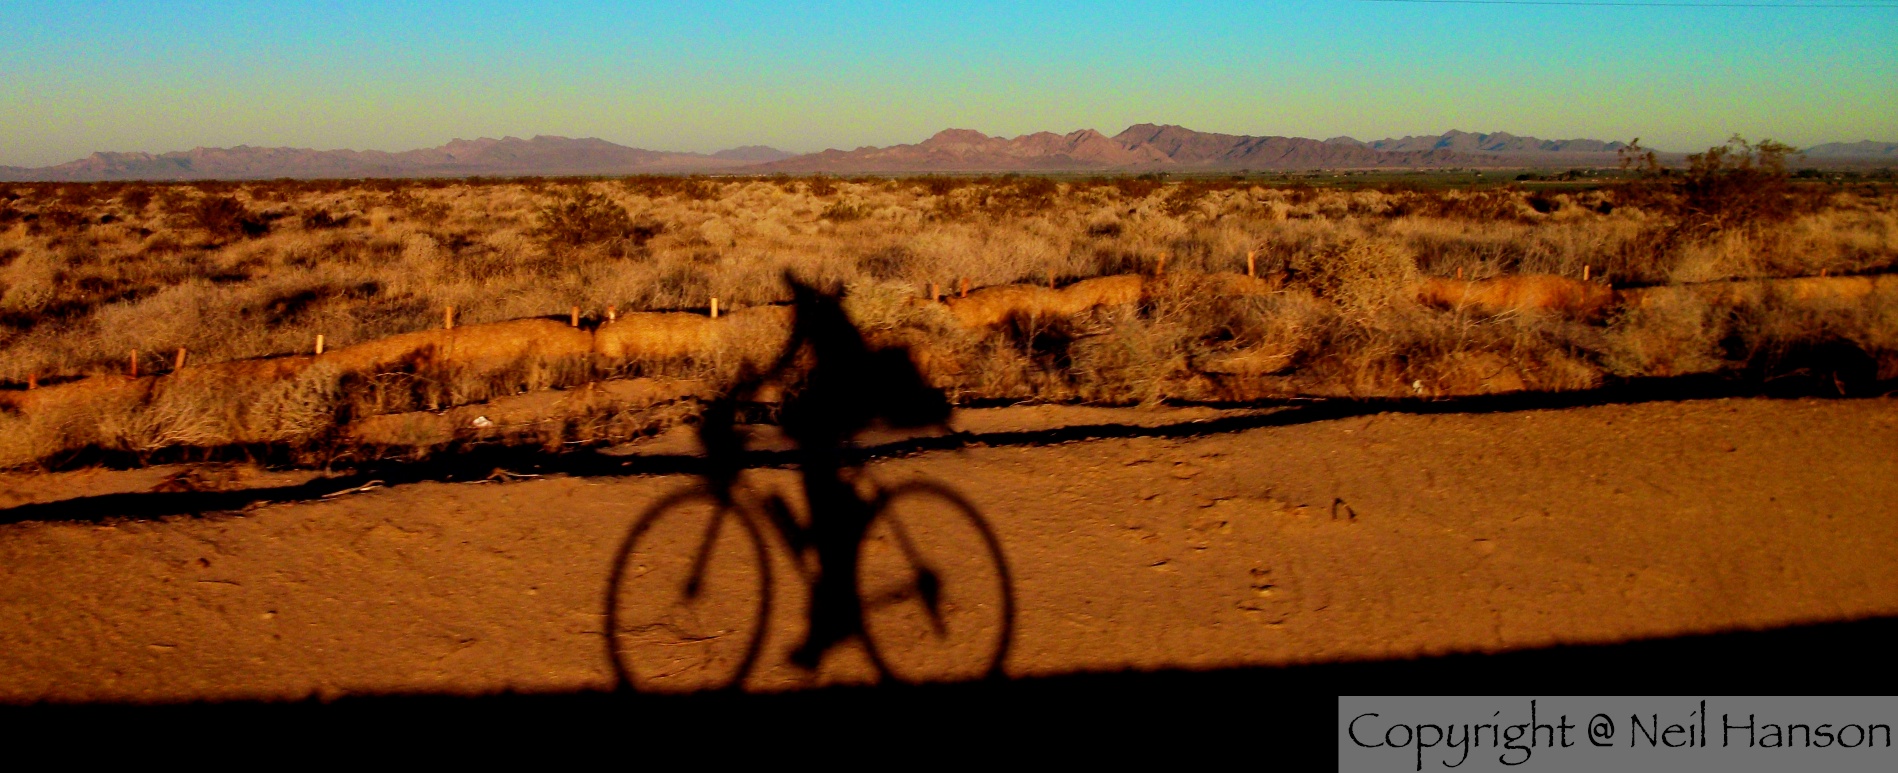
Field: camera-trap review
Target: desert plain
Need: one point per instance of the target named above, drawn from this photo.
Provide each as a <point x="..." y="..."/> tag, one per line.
<point x="250" y="430"/>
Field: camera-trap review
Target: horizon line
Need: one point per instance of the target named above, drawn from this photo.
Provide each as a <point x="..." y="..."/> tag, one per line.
<point x="537" y="136"/>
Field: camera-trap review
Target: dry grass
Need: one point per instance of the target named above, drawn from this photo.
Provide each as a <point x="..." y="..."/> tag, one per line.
<point x="1120" y="290"/>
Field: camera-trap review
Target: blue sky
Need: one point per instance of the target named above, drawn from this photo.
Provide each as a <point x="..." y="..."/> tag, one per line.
<point x="156" y="76"/>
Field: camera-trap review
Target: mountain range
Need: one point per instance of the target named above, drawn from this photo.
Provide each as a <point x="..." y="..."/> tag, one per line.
<point x="1861" y="150"/>
<point x="1142" y="147"/>
<point x="1139" y="148"/>
<point x="507" y="156"/>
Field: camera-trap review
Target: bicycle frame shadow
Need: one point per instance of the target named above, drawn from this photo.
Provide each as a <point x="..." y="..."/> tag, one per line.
<point x="835" y="385"/>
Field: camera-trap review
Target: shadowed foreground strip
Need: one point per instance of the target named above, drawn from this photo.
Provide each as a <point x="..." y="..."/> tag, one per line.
<point x="1834" y="657"/>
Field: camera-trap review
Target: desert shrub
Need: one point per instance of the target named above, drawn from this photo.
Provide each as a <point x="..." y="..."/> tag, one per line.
<point x="1355" y="272"/>
<point x="1736" y="185"/>
<point x="1188" y="197"/>
<point x="1109" y="261"/>
<point x="821" y="186"/>
<point x="1046" y="341"/>
<point x="844" y="212"/>
<point x="586" y="218"/>
<point x="61" y="217"/>
<point x="1027" y="195"/>
<point x="275" y="191"/>
<point x="321" y="219"/>
<point x="1189" y="330"/>
<point x="1713" y="215"/>
<point x="191" y="410"/>
<point x="1649" y="257"/>
<point x="886" y="305"/>
<point x="1008" y="196"/>
<point x="1481" y="205"/>
<point x="1134" y="360"/>
<point x="1299" y="193"/>
<point x="79" y="196"/>
<point x="420" y="209"/>
<point x="1409" y="350"/>
<point x="224" y="217"/>
<point x="1677" y="334"/>
<point x="682" y="284"/>
<point x="892" y="262"/>
<point x="943" y="186"/>
<point x="1732" y="186"/>
<point x="658" y="186"/>
<point x="175" y="201"/>
<point x="136" y="198"/>
<point x="292" y="304"/>
<point x="30" y="285"/>
<point x="1840" y="345"/>
<point x="695" y="189"/>
<point x="1139" y="187"/>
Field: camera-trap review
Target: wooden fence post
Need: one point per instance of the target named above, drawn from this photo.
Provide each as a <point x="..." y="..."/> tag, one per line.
<point x="612" y="313"/>
<point x="576" y="316"/>
<point x="714" y="308"/>
<point x="134" y="363"/>
<point x="32" y="381"/>
<point x="965" y="287"/>
<point x="179" y="363"/>
<point x="448" y="317"/>
<point x="1584" y="272"/>
<point x="935" y="293"/>
<point x="319" y="343"/>
<point x="1252" y="263"/>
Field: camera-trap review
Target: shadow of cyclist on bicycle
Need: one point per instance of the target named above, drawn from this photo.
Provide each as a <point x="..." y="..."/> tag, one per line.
<point x="845" y="388"/>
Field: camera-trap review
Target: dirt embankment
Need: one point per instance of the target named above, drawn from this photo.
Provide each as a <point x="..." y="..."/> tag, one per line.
<point x="1379" y="536"/>
<point x="515" y="381"/>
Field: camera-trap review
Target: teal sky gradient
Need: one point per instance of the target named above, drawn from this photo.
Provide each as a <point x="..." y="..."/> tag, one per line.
<point x="158" y="76"/>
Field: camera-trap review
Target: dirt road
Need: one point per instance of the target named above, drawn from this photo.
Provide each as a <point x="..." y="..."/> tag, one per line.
<point x="1368" y="537"/>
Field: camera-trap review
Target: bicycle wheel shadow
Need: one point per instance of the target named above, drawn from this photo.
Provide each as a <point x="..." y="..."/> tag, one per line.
<point x="876" y="563"/>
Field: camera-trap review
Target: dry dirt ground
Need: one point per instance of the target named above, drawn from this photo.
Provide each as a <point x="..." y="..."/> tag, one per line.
<point x="1370" y="537"/>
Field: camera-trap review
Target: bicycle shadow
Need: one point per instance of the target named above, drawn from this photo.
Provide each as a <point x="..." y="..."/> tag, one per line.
<point x="693" y="581"/>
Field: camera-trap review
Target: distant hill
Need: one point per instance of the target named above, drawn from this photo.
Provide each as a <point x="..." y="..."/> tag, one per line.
<point x="1866" y="150"/>
<point x="1496" y="143"/>
<point x="1501" y="148"/>
<point x="755" y="154"/>
<point x="542" y="155"/>
<point x="1139" y="148"/>
<point x="963" y="150"/>
<point x="1143" y="147"/>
